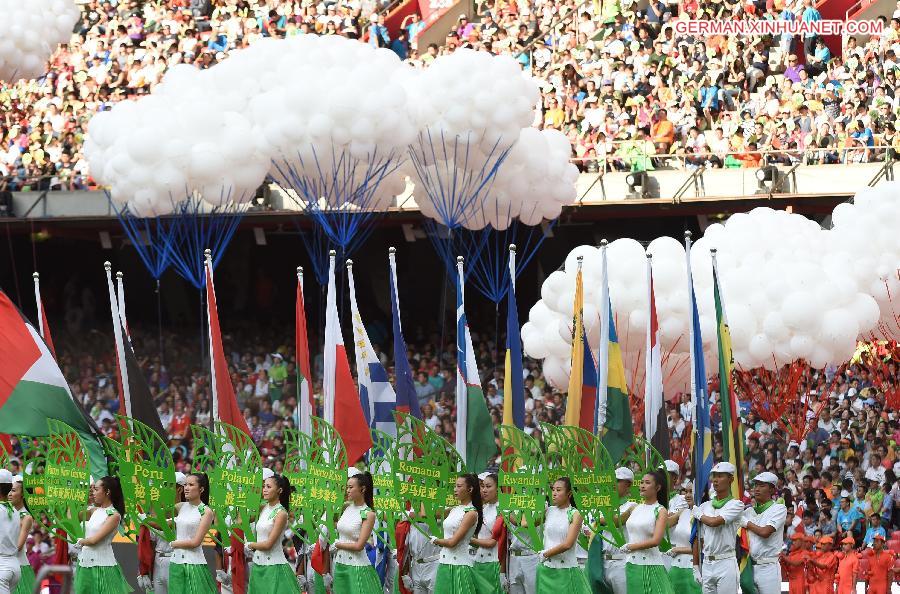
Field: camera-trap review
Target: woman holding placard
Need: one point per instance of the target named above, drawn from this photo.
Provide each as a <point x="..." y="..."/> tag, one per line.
<point x="98" y="570"/>
<point x="352" y="570"/>
<point x="487" y="560"/>
<point x="188" y="571"/>
<point x="271" y="573"/>
<point x="558" y="571"/>
<point x="455" y="574"/>
<point x="645" y="572"/>
<point x="17" y="500"/>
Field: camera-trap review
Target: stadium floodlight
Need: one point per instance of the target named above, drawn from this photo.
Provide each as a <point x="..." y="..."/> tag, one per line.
<point x="638" y="186"/>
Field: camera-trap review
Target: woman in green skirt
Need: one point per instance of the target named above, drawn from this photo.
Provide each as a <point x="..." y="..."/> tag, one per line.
<point x="455" y="574"/>
<point x="351" y="570"/>
<point x="681" y="574"/>
<point x="645" y="572"/>
<point x="271" y="573"/>
<point x="188" y="571"/>
<point x="17" y="500"/>
<point x="487" y="559"/>
<point x="558" y="571"/>
<point x="98" y="571"/>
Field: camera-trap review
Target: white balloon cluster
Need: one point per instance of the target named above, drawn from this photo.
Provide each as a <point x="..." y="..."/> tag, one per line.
<point x="791" y="289"/>
<point x="181" y="140"/>
<point x="30" y="32"/>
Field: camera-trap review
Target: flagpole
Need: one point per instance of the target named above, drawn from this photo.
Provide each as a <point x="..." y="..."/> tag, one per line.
<point x="120" y="284"/>
<point x="603" y="356"/>
<point x="37" y="300"/>
<point x="302" y="403"/>
<point x="120" y="346"/>
<point x="207" y="254"/>
<point x="648" y="359"/>
<point x="512" y="266"/>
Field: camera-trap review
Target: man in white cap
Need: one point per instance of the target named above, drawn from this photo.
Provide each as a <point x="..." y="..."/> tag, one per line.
<point x="9" y="537"/>
<point x="158" y="579"/>
<point x="719" y="522"/>
<point x="613" y="556"/>
<point x="765" y="523"/>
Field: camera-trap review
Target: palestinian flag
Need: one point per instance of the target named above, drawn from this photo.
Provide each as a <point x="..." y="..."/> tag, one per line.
<point x="33" y="389"/>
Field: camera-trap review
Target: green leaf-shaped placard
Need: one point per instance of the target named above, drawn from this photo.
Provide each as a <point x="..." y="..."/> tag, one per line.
<point x="297" y="445"/>
<point x="147" y="472"/>
<point x="324" y="463"/>
<point x="387" y="505"/>
<point x="34" y="463"/>
<point x="578" y="454"/>
<point x="642" y="458"/>
<point x="522" y="499"/>
<point x="67" y="480"/>
<point x="422" y="472"/>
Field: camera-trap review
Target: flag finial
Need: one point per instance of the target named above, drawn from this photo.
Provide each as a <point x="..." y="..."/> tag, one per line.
<point x="107" y="266"/>
<point x="35" y="276"/>
<point x="207" y="253"/>
<point x="603" y="243"/>
<point x="120" y="275"/>
<point x="713" y="250"/>
<point x="512" y="248"/>
<point x="688" y="234"/>
<point x="350" y="264"/>
<point x="649" y="256"/>
<point x="459" y="259"/>
<point x="392" y="250"/>
<point x="332" y="253"/>
<point x="300" y="270"/>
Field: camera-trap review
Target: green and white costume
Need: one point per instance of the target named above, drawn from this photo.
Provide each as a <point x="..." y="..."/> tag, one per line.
<point x="645" y="571"/>
<point x="26" y="582"/>
<point x="560" y="573"/>
<point x="98" y="572"/>
<point x="681" y="573"/>
<point x="188" y="571"/>
<point x="352" y="570"/>
<point x="271" y="573"/>
<point x="487" y="560"/>
<point x="455" y="574"/>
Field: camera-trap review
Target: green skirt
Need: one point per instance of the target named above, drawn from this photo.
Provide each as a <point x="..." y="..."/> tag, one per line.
<point x="273" y="579"/>
<point x="454" y="579"/>
<point x="570" y="580"/>
<point x="359" y="579"/>
<point x="100" y="580"/>
<point x="647" y="579"/>
<point x="26" y="582"/>
<point x="683" y="582"/>
<point x="487" y="577"/>
<point x="190" y="579"/>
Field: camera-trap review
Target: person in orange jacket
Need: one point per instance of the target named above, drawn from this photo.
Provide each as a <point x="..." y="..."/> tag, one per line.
<point x="794" y="564"/>
<point x="824" y="565"/>
<point x="848" y="567"/>
<point x="881" y="568"/>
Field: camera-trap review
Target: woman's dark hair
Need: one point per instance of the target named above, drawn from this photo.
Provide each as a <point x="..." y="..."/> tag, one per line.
<point x="568" y="483"/>
<point x="114" y="487"/>
<point x="5" y="488"/>
<point x="364" y="480"/>
<point x="284" y="484"/>
<point x="662" y="497"/>
<point x="203" y="483"/>
<point x="473" y="484"/>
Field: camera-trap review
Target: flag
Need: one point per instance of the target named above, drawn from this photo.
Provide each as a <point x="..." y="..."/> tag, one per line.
<point x="306" y="405"/>
<point x="407" y="400"/>
<point x="582" y="395"/>
<point x="656" y="429"/>
<point x="42" y="315"/>
<point x="702" y="435"/>
<point x="224" y="402"/>
<point x="474" y="428"/>
<point x="513" y="383"/>
<point x="33" y="389"/>
<point x="342" y="405"/>
<point x="376" y="395"/>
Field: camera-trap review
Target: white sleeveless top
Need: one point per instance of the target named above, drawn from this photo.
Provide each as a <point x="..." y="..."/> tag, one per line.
<point x="458" y="555"/>
<point x="100" y="554"/>
<point x="641" y="524"/>
<point x="482" y="554"/>
<point x="187" y="523"/>
<point x="349" y="527"/>
<point x="264" y="526"/>
<point x="23" y="558"/>
<point x="556" y="529"/>
<point x="680" y="535"/>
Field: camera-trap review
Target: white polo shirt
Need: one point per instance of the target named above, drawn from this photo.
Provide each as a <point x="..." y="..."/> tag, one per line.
<point x="9" y="531"/>
<point x="721" y="539"/>
<point x="774" y="516"/>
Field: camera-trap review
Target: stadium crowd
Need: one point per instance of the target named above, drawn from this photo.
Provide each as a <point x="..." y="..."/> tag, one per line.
<point x="626" y="89"/>
<point x="837" y="474"/>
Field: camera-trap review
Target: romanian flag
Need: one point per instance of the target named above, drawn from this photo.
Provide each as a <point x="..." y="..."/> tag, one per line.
<point x="513" y="383"/>
<point x="732" y="428"/>
<point x="582" y="395"/>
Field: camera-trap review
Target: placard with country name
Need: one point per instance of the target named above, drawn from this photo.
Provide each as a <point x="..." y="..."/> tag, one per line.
<point x="34" y="456"/>
<point x="522" y="482"/>
<point x="67" y="480"/>
<point x="387" y="506"/>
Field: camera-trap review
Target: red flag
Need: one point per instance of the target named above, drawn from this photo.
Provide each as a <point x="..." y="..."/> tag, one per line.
<point x="317" y="559"/>
<point x="5" y="443"/>
<point x="498" y="533"/>
<point x="305" y="399"/>
<point x="146" y="553"/>
<point x="238" y="563"/>
<point x="224" y="405"/>
<point x="400" y="534"/>
<point x="45" y="331"/>
<point x="342" y="405"/>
